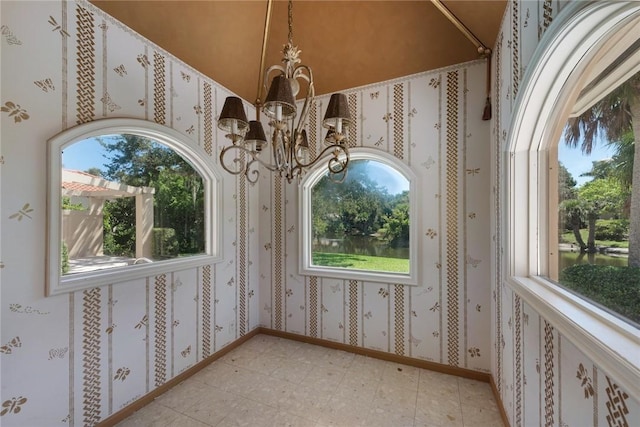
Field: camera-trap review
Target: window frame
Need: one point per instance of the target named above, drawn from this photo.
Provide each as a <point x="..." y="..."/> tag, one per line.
<point x="56" y="283"/>
<point x="548" y="93"/>
<point x="306" y="267"/>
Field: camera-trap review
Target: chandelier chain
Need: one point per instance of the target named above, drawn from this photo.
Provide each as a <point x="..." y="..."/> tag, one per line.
<point x="290" y="22"/>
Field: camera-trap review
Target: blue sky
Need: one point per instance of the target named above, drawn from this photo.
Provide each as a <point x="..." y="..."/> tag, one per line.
<point x="84" y="155"/>
<point x="578" y="163"/>
<point x="386" y="177"/>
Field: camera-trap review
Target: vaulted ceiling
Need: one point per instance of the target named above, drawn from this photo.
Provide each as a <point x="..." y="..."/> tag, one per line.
<point x="347" y="43"/>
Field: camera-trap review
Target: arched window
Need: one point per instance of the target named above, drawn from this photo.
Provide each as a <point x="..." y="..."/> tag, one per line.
<point x="364" y="226"/>
<point x="127" y="198"/>
<point x="564" y="74"/>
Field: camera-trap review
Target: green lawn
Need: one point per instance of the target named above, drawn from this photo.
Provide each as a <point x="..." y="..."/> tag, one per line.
<point x="569" y="238"/>
<point x="361" y="262"/>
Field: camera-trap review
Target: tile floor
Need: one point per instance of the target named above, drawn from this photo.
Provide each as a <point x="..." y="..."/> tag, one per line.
<point x="270" y="381"/>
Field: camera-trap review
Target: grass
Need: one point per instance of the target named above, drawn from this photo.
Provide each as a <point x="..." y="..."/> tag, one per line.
<point x="569" y="238"/>
<point x="361" y="262"/>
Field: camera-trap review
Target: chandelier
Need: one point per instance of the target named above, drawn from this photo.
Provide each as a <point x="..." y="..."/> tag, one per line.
<point x="288" y="138"/>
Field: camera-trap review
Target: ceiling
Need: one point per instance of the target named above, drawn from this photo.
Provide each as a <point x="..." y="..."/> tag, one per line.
<point x="347" y="43"/>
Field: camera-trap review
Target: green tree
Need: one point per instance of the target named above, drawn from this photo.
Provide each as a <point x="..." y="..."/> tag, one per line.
<point x="602" y="197"/>
<point x="356" y="206"/>
<point x="615" y="115"/>
<point x="178" y="200"/>
<point x="566" y="183"/>
<point x="67" y="205"/>
<point x="606" y="193"/>
<point x="396" y="224"/>
<point x="119" y="231"/>
<point x="94" y="171"/>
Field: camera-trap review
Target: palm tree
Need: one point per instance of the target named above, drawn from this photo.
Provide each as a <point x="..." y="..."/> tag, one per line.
<point x="612" y="117"/>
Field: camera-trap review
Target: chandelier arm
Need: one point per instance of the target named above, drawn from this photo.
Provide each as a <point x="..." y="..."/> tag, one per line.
<point x="338" y="177"/>
<point x="282" y="148"/>
<point x="255" y="172"/>
<point x="298" y="72"/>
<point x="311" y="92"/>
<point x="335" y="161"/>
<point x="336" y="148"/>
<point x="252" y="154"/>
<point x="296" y="171"/>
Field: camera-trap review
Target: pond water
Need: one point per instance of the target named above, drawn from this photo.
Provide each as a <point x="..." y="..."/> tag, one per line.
<point x="568" y="259"/>
<point x="360" y="245"/>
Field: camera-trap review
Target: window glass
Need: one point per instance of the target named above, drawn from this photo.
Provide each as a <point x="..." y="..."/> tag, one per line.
<point x="596" y="239"/>
<point x="127" y="200"/>
<point x="363" y="222"/>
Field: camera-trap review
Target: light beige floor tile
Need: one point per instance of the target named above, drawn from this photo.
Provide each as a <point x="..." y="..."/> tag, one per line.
<point x="286" y="419"/>
<point x="153" y="414"/>
<point x="404" y="376"/>
<point x="270" y="381"/>
<point x="248" y="413"/>
<point x="311" y="353"/>
<point x="284" y="348"/>
<point x="292" y="371"/>
<point x="437" y="409"/>
<point x="262" y="343"/>
<point x="431" y="380"/>
<point x="270" y="391"/>
<point x="187" y="421"/>
<point x="358" y="386"/>
<point x="213" y="407"/>
<point x="339" y="411"/>
<point x="488" y="416"/>
<point x="227" y="377"/>
<point x="239" y="357"/>
<point x="265" y="364"/>
<point x="183" y="395"/>
<point x="380" y="418"/>
<point x="305" y="401"/>
<point x="339" y="359"/>
<point x="476" y="393"/>
<point x="232" y="378"/>
<point x="368" y="366"/>
<point x="325" y="377"/>
<point x="397" y="400"/>
<point x="437" y="421"/>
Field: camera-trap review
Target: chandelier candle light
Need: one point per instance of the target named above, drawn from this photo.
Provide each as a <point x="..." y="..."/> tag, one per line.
<point x="288" y="140"/>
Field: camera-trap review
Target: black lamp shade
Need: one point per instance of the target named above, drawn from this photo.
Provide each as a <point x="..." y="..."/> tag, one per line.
<point x="256" y="134"/>
<point x="233" y="111"/>
<point x="280" y="94"/>
<point x="338" y="109"/>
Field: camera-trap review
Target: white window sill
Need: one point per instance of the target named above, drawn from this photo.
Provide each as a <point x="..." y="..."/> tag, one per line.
<point x="608" y="341"/>
<point x="360" y="275"/>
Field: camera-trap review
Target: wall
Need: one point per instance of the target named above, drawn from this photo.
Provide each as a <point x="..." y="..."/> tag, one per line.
<point x="82" y="229"/>
<point x="75" y="359"/>
<point x="541" y="375"/>
<point x="432" y="122"/>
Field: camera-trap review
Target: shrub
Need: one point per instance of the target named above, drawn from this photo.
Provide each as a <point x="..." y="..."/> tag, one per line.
<point x="65" y="258"/>
<point x="612" y="229"/>
<point x="165" y="243"/>
<point x="617" y="288"/>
